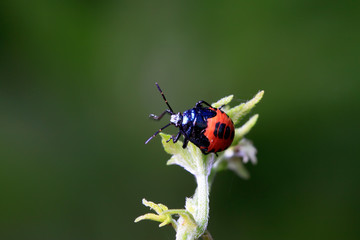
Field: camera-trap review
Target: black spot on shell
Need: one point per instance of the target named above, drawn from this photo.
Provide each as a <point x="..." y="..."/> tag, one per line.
<point x="216" y="129"/>
<point x="221" y="130"/>
<point x="227" y="132"/>
<point x="232" y="135"/>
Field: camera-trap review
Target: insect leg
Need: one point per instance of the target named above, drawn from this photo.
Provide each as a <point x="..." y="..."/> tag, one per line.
<point x="198" y="104"/>
<point x="176" y="138"/>
<point x="153" y="116"/>
<point x="157" y="133"/>
<point x="206" y="153"/>
<point x="186" y="141"/>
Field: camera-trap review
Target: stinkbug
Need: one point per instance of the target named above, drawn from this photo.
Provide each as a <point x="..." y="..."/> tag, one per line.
<point x="209" y="128"/>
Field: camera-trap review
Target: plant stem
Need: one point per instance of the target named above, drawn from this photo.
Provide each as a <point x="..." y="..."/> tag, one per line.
<point x="202" y="211"/>
<point x="183" y="233"/>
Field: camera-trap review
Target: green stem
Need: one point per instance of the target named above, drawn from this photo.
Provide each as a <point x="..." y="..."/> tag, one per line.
<point x="183" y="233"/>
<point x="202" y="211"/>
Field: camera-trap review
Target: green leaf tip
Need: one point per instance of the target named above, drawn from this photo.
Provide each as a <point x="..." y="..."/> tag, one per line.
<point x="161" y="216"/>
<point x="238" y="112"/>
<point x="164" y="215"/>
<point x="158" y="208"/>
<point x="245" y="129"/>
<point x="223" y="101"/>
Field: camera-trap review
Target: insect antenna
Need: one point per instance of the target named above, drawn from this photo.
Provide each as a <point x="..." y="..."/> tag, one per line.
<point x="162" y="94"/>
<point x="157" y="133"/>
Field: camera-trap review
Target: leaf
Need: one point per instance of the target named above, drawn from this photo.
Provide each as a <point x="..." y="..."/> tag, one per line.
<point x="189" y="158"/>
<point x="161" y="216"/>
<point x="244" y="129"/>
<point x="223" y="101"/>
<point x="238" y="112"/>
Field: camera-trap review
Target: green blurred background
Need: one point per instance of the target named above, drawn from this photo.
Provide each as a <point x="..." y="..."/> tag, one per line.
<point x="77" y="85"/>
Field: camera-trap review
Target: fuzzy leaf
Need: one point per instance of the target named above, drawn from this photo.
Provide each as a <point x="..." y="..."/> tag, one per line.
<point x="161" y="216"/>
<point x="238" y="112"/>
<point x="244" y="129"/>
<point x="189" y="158"/>
<point x="223" y="101"/>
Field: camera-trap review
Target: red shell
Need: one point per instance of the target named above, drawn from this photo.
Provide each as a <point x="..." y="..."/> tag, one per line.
<point x="220" y="131"/>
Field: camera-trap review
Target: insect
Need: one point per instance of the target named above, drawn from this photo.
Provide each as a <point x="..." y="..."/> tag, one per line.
<point x="207" y="127"/>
